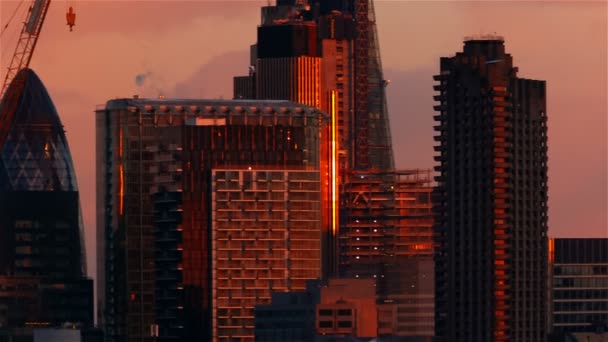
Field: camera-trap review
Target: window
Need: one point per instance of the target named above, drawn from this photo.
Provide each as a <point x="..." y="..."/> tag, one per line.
<point x="345" y="312"/>
<point x="345" y="324"/>
<point x="325" y="324"/>
<point x="325" y="312"/>
<point x="23" y="224"/>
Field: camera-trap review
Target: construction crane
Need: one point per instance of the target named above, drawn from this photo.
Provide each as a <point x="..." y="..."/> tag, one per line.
<point x="362" y="84"/>
<point x="27" y="40"/>
<point x="30" y="32"/>
<point x="373" y="147"/>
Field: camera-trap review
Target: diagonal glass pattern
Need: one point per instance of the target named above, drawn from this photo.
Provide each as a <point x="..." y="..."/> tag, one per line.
<point x="35" y="155"/>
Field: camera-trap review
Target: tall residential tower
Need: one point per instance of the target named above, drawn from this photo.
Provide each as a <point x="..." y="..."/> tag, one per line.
<point x="491" y="263"/>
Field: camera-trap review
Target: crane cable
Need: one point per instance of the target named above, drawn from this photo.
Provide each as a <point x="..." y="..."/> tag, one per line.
<point x="11" y="18"/>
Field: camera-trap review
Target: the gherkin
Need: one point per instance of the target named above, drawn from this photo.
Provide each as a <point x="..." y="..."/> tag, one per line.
<point x="41" y="249"/>
<point x="35" y="154"/>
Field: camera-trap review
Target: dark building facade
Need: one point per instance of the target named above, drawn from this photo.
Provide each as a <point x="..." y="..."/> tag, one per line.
<point x="287" y="65"/>
<point x="244" y="87"/>
<point x="290" y="316"/>
<point x="579" y="297"/>
<point x="42" y="264"/>
<point x="206" y="207"/>
<point x="491" y="223"/>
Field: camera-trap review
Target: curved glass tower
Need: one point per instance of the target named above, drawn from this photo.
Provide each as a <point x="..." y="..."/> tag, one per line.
<point x="35" y="155"/>
<point x="42" y="264"/>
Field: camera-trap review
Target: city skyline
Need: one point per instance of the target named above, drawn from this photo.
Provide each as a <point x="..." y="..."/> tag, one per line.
<point x="577" y="204"/>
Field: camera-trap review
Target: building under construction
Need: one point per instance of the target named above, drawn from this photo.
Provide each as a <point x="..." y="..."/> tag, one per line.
<point x="388" y="237"/>
<point x="383" y="217"/>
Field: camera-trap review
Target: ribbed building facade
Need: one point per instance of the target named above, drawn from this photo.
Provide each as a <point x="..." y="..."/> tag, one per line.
<point x="491" y="223"/>
<point x="207" y="206"/>
<point x="42" y="264"/>
<point x="294" y="78"/>
<point x="287" y="65"/>
<point x="244" y="87"/>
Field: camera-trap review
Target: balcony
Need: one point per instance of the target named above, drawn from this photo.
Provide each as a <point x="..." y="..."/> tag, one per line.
<point x="501" y="236"/>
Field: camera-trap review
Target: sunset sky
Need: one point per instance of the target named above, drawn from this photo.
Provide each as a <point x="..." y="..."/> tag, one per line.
<point x="192" y="49"/>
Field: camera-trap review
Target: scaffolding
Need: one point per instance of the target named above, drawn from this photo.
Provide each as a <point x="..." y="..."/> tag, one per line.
<point x="387" y="235"/>
<point x="385" y="215"/>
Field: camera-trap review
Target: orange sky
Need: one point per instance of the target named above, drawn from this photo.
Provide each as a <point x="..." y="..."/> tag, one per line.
<point x="192" y="49"/>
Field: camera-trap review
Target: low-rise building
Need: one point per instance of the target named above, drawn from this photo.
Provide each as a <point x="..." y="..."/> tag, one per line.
<point x="579" y="272"/>
<point x="338" y="309"/>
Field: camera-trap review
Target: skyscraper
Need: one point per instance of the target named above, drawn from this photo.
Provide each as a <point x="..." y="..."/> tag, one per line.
<point x="206" y="208"/>
<point x="42" y="265"/>
<point x="491" y="219"/>
<point x="287" y="62"/>
<point x="288" y="66"/>
<point x="380" y="217"/>
<point x="340" y="36"/>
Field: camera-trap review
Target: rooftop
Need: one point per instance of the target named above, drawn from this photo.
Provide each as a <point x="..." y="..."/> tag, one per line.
<point x="211" y="107"/>
<point x="484" y="37"/>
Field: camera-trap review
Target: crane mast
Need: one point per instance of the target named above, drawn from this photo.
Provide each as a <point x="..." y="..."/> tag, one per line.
<point x="21" y="59"/>
<point x="361" y="83"/>
<point x="27" y="40"/>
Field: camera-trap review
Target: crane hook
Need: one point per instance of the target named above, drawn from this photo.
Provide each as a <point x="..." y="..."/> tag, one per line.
<point x="71" y="18"/>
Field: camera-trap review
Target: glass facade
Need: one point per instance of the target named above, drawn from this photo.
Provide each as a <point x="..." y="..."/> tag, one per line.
<point x="35" y="154"/>
<point x="580" y="285"/>
<point x="42" y="265"/>
<point x="158" y="193"/>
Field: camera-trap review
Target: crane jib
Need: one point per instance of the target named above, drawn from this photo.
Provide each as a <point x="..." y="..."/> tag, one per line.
<point x="34" y="19"/>
<point x="27" y="40"/>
